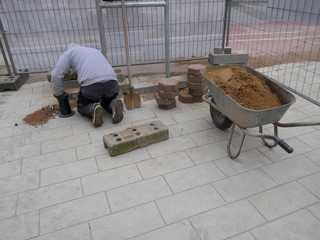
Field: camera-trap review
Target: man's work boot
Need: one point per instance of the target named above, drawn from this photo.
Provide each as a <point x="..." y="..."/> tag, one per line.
<point x="117" y="110"/>
<point x="97" y="116"/>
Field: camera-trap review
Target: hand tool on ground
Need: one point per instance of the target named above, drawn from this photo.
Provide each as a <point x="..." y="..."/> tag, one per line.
<point x="131" y="100"/>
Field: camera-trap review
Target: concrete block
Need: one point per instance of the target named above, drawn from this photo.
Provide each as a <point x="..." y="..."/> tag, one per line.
<point x="194" y="78"/>
<point x="195" y="86"/>
<point x="167" y="95"/>
<point x="226" y="50"/>
<point x="136" y="137"/>
<point x="185" y="97"/>
<point x="168" y="85"/>
<point x="12" y="83"/>
<point x="234" y="58"/>
<point x="164" y="101"/>
<point x="196" y="69"/>
<point x="197" y="93"/>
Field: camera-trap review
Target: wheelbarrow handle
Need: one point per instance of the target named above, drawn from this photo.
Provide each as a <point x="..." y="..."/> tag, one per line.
<point x="285" y="146"/>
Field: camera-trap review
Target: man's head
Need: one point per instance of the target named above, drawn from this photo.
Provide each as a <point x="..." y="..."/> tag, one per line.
<point x="72" y="45"/>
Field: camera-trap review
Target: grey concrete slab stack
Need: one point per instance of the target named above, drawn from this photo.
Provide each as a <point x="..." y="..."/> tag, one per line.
<point x="167" y="92"/>
<point x="196" y="86"/>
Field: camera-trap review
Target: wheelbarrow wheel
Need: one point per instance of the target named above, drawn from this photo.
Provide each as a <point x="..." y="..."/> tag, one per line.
<point x="220" y="120"/>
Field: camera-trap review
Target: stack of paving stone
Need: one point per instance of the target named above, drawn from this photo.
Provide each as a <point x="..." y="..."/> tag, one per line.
<point x="196" y="87"/>
<point x="167" y="92"/>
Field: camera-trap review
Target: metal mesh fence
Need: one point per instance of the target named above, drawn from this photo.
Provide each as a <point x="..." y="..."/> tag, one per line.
<point x="38" y="31"/>
<point x="282" y="39"/>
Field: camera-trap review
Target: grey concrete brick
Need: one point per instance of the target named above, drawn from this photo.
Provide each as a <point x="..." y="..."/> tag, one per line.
<point x="136" y="137"/>
<point x="234" y="58"/>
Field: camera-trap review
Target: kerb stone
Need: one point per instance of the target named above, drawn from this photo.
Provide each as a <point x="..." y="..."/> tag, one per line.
<point x="136" y="137"/>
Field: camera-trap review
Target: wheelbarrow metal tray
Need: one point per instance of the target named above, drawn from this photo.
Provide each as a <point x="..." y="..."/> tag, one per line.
<point x="245" y="117"/>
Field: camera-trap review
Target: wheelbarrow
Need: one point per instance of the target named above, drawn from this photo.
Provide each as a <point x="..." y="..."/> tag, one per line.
<point x="226" y="113"/>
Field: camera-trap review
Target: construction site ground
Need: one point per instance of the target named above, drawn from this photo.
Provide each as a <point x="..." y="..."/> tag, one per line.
<point x="58" y="181"/>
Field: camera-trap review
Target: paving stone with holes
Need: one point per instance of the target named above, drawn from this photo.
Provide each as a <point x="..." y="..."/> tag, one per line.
<point x="196" y="69"/>
<point x="137" y="137"/>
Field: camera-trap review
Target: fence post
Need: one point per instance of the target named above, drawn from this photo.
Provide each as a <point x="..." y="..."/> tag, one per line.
<point x="6" y="45"/>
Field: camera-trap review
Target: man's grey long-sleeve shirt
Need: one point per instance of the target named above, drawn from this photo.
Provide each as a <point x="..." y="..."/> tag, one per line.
<point x="90" y="65"/>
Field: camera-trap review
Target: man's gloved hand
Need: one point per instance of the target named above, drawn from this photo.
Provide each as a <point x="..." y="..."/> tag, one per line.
<point x="62" y="96"/>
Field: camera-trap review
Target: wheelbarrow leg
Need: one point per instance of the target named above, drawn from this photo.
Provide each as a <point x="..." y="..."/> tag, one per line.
<point x="231" y="155"/>
<point x="275" y="130"/>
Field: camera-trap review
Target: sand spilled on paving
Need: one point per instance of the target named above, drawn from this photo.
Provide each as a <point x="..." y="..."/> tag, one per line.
<point x="246" y="89"/>
<point x="43" y="115"/>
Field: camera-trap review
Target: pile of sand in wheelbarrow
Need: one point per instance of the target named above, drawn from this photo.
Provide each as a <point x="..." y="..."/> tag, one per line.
<point x="246" y="89"/>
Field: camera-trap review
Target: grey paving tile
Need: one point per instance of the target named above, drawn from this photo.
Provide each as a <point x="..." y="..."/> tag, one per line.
<point x="314" y="156"/>
<point x="73" y="212"/>
<point x="171" y="145"/>
<point x="11" y="142"/>
<point x="110" y="179"/>
<point x="315" y="210"/>
<point x="49" y="160"/>
<point x="277" y="153"/>
<point x="246" y="161"/>
<point x="193" y="176"/>
<point x="227" y="221"/>
<point x="166" y="120"/>
<point x="312" y="183"/>
<point x="8" y="206"/>
<point x="190" y="115"/>
<point x="10" y="169"/>
<point x="18" y="153"/>
<point x="137" y="193"/>
<point x="48" y="196"/>
<point x="243" y="185"/>
<point x="186" y="204"/>
<point x="282" y="200"/>
<point x="20" y="227"/>
<point x="177" y="231"/>
<point x="68" y="171"/>
<point x="290" y="169"/>
<point x="312" y="139"/>
<point x="309" y="110"/>
<point x="78" y="232"/>
<point x="208" y="152"/>
<point x="248" y="144"/>
<point x="41" y="135"/>
<point x="106" y="162"/>
<point x="181" y="107"/>
<point x="128" y="223"/>
<point x="209" y="136"/>
<point x="243" y="236"/>
<point x="19" y="183"/>
<point x="65" y="143"/>
<point x="188" y="127"/>
<point x="287" y="133"/>
<point x="133" y="116"/>
<point x="165" y="164"/>
<point x="299" y="225"/>
<point x="91" y="150"/>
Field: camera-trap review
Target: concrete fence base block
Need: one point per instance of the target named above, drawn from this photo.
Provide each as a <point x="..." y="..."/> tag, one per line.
<point x="233" y="58"/>
<point x="136" y="137"/>
<point x="12" y="83"/>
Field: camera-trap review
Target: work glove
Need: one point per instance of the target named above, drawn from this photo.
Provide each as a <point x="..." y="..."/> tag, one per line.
<point x="62" y="96"/>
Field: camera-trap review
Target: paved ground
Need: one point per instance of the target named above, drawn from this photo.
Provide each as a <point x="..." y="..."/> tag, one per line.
<point x="58" y="181"/>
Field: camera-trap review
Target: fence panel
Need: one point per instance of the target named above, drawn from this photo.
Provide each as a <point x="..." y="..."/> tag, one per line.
<point x="39" y="30"/>
<point x="282" y="38"/>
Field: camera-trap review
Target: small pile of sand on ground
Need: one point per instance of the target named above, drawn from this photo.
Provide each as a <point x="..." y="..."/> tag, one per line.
<point x="43" y="115"/>
<point x="246" y="89"/>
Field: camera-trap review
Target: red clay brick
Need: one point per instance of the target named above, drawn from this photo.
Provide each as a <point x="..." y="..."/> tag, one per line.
<point x="164" y="101"/>
<point x="168" y="85"/>
<point x="196" y="69"/>
<point x="194" y="78"/>
<point x="167" y="95"/>
<point x="195" y="86"/>
<point x="185" y="97"/>
<point x="197" y="93"/>
<point x="173" y="105"/>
